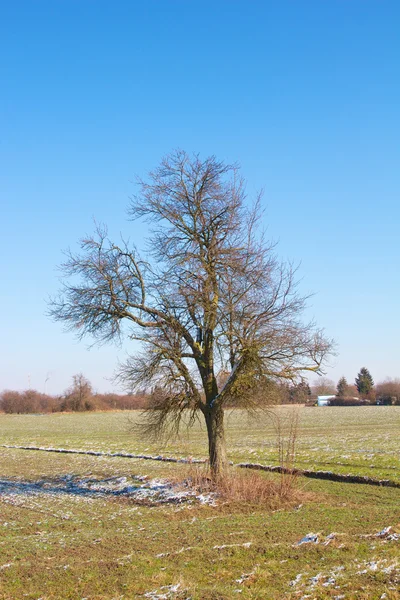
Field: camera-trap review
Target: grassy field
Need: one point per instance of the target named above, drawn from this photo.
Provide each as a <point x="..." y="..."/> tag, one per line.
<point x="80" y="526"/>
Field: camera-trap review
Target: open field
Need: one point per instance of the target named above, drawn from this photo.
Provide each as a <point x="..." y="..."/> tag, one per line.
<point x="359" y="440"/>
<point x="81" y="526"/>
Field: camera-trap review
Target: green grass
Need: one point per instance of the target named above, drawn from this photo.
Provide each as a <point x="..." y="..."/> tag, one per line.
<point x="79" y="546"/>
<point x="358" y="440"/>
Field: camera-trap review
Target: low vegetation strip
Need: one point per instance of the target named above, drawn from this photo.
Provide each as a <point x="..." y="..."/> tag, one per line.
<point x="326" y="475"/>
<point x="172" y="459"/>
<point x="329" y="475"/>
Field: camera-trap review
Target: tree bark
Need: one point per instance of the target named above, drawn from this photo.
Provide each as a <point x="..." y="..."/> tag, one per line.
<point x="214" y="416"/>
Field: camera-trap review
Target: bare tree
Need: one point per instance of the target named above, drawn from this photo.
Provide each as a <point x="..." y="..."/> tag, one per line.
<point x="210" y="298"/>
<point x="388" y="391"/>
<point x="323" y="387"/>
<point x="79" y="394"/>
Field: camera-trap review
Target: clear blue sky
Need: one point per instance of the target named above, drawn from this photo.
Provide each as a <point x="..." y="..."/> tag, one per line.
<point x="304" y="95"/>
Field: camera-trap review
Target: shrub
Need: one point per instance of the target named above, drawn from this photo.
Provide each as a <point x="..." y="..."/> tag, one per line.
<point x="346" y="401"/>
<point x="29" y="401"/>
<point x="240" y="486"/>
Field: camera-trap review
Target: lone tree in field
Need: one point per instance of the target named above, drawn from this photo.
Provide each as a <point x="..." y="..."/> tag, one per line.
<point x="364" y="382"/>
<point x="210" y="298"/>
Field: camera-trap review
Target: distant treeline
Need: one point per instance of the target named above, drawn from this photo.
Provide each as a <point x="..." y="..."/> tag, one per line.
<point x="32" y="401"/>
<point x="78" y="397"/>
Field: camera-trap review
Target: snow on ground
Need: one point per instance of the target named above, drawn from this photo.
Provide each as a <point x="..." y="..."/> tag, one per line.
<point x="138" y="488"/>
<point x="335" y="577"/>
<point x="187" y="460"/>
<point x="165" y="592"/>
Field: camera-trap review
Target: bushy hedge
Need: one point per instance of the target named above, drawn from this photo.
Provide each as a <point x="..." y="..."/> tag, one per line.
<point x="346" y="401"/>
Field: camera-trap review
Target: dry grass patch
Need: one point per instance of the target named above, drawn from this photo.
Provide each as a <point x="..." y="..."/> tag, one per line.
<point x="251" y="488"/>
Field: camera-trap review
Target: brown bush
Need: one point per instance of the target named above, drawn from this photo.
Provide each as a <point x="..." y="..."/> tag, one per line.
<point x="28" y="401"/>
<point x="239" y="486"/>
<point x="252" y="487"/>
<point x="121" y="401"/>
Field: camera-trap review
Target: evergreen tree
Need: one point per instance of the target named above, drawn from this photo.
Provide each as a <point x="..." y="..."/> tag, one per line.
<point x="342" y="387"/>
<point x="364" y="382"/>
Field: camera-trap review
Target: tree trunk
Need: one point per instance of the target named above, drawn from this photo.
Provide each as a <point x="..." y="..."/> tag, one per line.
<point x="214" y="416"/>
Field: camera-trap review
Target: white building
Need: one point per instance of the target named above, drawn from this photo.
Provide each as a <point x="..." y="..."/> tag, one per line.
<point x="324" y="400"/>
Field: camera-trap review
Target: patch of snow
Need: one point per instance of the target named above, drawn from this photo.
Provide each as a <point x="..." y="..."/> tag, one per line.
<point x="165" y="592"/>
<point x="296" y="580"/>
<point x="246" y="576"/>
<point x="173" y="459"/>
<point x="310" y="538"/>
<point x="245" y="545"/>
<point x="159" y="491"/>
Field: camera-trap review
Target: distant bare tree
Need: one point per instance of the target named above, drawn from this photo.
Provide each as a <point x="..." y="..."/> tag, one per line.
<point x="323" y="387"/>
<point x="210" y="297"/>
<point x="78" y="397"/>
<point x="388" y="390"/>
<point x="299" y="393"/>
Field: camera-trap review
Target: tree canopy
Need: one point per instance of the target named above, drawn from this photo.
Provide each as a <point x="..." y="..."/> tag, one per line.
<point x="209" y="297"/>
